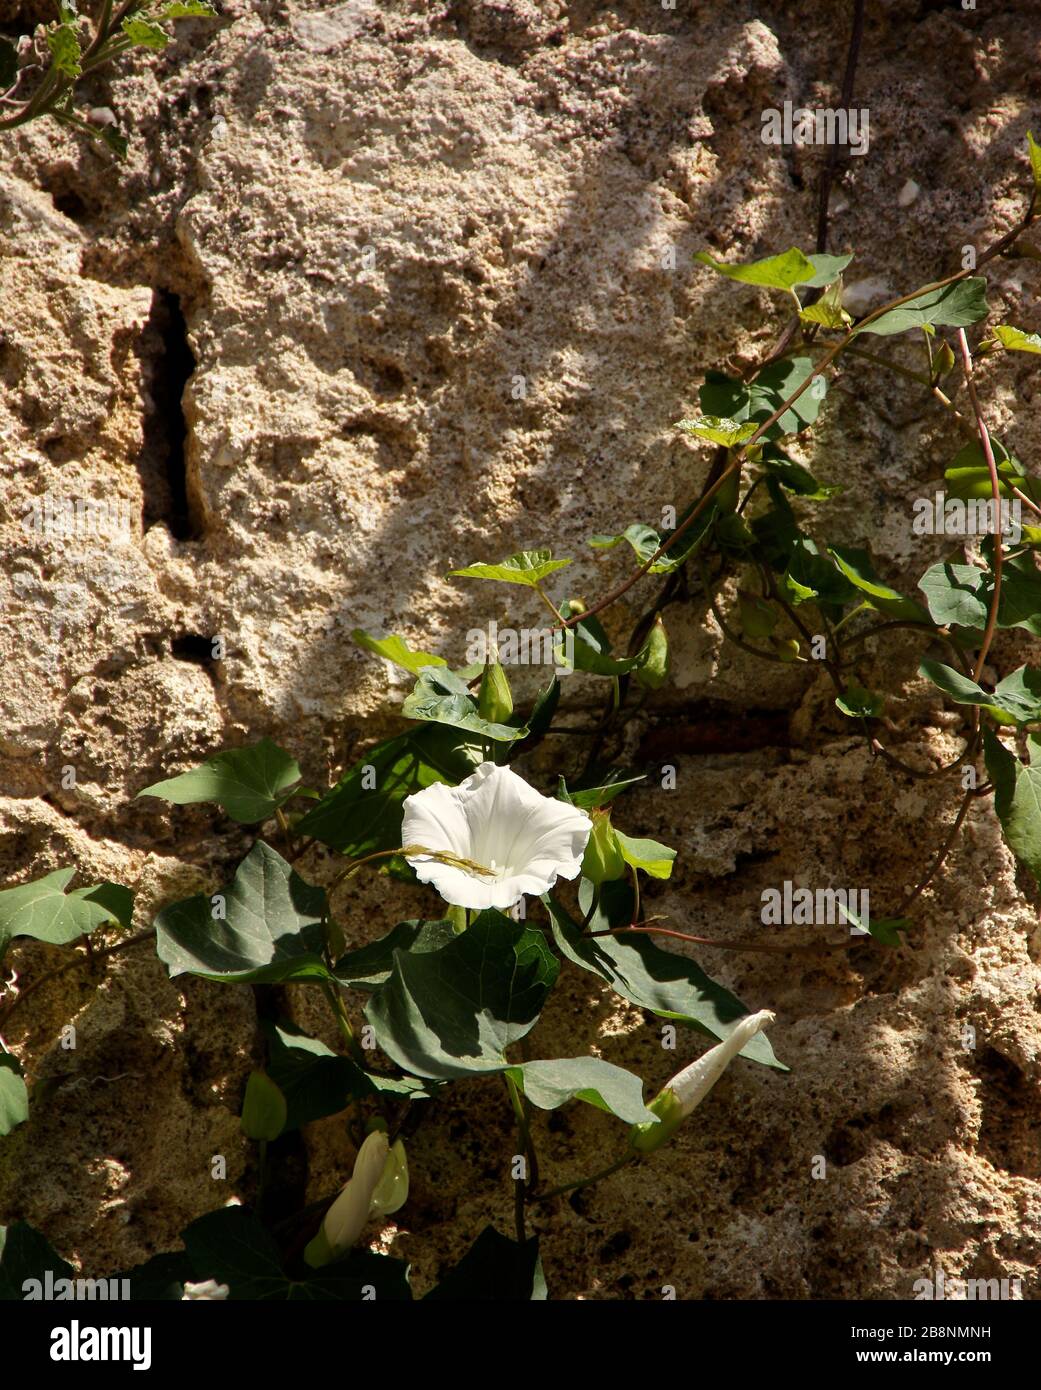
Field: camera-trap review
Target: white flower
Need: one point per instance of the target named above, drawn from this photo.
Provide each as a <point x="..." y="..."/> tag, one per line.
<point x="207" y="1292"/>
<point x="511" y="839"/>
<point x="378" y="1186"/>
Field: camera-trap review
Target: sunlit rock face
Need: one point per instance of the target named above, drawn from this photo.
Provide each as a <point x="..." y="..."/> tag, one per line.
<point x="385" y="288"/>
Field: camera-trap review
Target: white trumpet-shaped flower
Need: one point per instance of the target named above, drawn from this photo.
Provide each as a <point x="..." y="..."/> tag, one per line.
<point x="495" y="838"/>
<point x="378" y="1186"/>
<point x="689" y="1087"/>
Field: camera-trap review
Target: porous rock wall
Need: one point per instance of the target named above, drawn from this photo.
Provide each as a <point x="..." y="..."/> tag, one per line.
<point x="344" y="232"/>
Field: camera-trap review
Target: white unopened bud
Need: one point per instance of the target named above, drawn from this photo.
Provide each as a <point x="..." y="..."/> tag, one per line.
<point x="208" y="1291"/>
<point x="349" y="1214"/>
<point x="689" y="1087"/>
<point x="378" y="1186"/>
<point x="693" y="1083"/>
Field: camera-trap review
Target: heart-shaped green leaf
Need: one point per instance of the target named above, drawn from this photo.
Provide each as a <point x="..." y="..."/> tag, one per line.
<point x="271" y="928"/>
<point x="249" y="783"/>
<point x="527" y="567"/>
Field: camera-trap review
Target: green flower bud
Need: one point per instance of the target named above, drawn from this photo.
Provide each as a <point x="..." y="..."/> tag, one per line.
<point x="653" y="670"/>
<point x="494" y="702"/>
<point x="603" y="861"/>
<point x="758" y="618"/>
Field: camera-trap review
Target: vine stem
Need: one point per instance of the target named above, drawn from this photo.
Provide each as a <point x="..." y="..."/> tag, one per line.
<point x="344" y="1023"/>
<point x="941" y="855"/>
<point x="76" y="964"/>
<point x="995" y="488"/>
<point x="738" y="455"/>
<point x="587" y="1182"/>
<point x="728" y="945"/>
<point x="522" y="1187"/>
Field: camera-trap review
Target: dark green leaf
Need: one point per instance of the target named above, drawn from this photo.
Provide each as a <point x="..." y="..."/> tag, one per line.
<point x="14" y="1098"/>
<point x="8" y="64"/>
<point x="231" y="1246"/>
<point x="963" y="593"/>
<point x="756" y="401"/>
<point x="317" y="1082"/>
<point x="815" y="578"/>
<point x="495" y="1269"/>
<point x="1017" y="798"/>
<point x="859" y="703"/>
<point x="272" y="930"/>
<point x="26" y="1254"/>
<point x="1016" y="699"/>
<point x="115" y="140"/>
<point x="884" y="929"/>
<point x="454" y="1011"/>
<point x="955" y="595"/>
<point x="645" y="541"/>
<point x="795" y="477"/>
<point x="955" y="306"/>
<point x="249" y="783"/>
<point x="670" y="985"/>
<point x="370" y="967"/>
<point x="592" y="648"/>
<point x="161" y="1279"/>
<point x="362" y="813"/>
<point x="117" y="901"/>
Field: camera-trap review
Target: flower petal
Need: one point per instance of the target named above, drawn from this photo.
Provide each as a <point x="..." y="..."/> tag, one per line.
<point x="524" y="840"/>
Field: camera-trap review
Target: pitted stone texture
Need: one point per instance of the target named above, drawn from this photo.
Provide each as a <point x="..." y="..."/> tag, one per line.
<point x="436" y="263"/>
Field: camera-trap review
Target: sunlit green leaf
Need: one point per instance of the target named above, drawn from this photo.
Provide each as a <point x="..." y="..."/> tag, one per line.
<point x="64" y="44"/>
<point x="528" y="567"/>
<point x="250" y="784"/>
<point x="144" y="33"/>
<point x="955" y="306"/>
<point x="781" y="272"/>
<point x="716" y="430"/>
<point x="441" y="697"/>
<point x="397" y="650"/>
<point x="44" y="910"/>
<point x="1016" y="340"/>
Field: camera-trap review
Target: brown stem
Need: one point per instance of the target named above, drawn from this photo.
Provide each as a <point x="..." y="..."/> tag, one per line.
<point x="729" y="945"/>
<point x="995" y="487"/>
